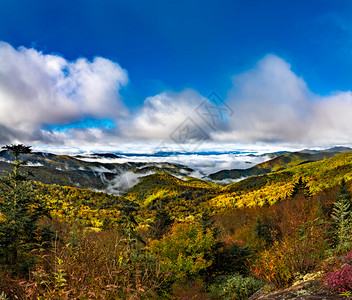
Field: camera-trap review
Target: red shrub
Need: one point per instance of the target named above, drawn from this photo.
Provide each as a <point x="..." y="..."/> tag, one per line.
<point x="348" y="257"/>
<point x="340" y="281"/>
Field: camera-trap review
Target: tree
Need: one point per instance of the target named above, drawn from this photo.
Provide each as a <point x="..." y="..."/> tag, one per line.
<point x="185" y="252"/>
<point x="20" y="211"/>
<point x="341" y="216"/>
<point x="301" y="188"/>
<point x="208" y="222"/>
<point x="230" y="260"/>
<point x="161" y="224"/>
<point x="267" y="230"/>
<point x="127" y="226"/>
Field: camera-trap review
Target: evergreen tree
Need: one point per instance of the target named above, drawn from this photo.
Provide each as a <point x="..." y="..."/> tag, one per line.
<point x="161" y="224"/>
<point x="127" y="226"/>
<point x="267" y="229"/>
<point x="207" y="221"/>
<point x="341" y="215"/>
<point x="301" y="188"/>
<point x="20" y="211"/>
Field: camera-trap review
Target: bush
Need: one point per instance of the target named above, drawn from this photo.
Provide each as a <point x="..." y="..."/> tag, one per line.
<point x="267" y="230"/>
<point x="193" y="289"/>
<point x="340" y="281"/>
<point x="99" y="267"/>
<point x="273" y="266"/>
<point x="233" y="259"/>
<point x="235" y="287"/>
<point x="185" y="251"/>
<point x="10" y="288"/>
<point x="348" y="257"/>
<point x="299" y="253"/>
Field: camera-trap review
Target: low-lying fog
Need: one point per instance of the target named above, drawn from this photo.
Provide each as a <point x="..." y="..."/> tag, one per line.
<point x="203" y="163"/>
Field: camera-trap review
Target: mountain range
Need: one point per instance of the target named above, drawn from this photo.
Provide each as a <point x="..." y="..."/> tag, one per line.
<point x="87" y="171"/>
<point x="281" y="161"/>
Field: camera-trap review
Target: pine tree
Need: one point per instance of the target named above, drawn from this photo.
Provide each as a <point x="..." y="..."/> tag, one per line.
<point x="127" y="226"/>
<point x="301" y="188"/>
<point x="20" y="211"/>
<point x="265" y="231"/>
<point x="341" y="216"/>
<point x="161" y="224"/>
<point x="208" y="222"/>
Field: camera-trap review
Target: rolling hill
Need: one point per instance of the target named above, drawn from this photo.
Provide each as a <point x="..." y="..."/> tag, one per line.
<point x="279" y="163"/>
<point x="272" y="187"/>
<point x="71" y="171"/>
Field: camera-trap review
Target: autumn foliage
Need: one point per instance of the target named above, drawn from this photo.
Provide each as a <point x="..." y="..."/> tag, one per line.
<point x="170" y="238"/>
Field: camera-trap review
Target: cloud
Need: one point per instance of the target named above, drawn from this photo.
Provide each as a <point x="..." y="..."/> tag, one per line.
<point x="37" y="89"/>
<point x="273" y="105"/>
<point x="162" y="114"/>
<point x="125" y="181"/>
<point x="203" y="164"/>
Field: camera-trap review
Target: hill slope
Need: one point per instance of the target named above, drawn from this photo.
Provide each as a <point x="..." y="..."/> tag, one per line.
<point x="278" y="163"/>
<point x="71" y="171"/>
<point x="272" y="187"/>
<point x="180" y="197"/>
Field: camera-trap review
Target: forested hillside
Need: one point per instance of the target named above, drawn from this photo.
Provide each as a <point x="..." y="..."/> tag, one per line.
<point x="177" y="238"/>
<point x="86" y="171"/>
<point x="279" y="163"/>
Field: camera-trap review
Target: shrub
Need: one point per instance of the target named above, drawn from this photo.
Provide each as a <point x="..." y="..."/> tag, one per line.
<point x="10" y="288"/>
<point x="99" y="267"/>
<point x="185" y="251"/>
<point x="267" y="230"/>
<point x="340" y="281"/>
<point x="193" y="289"/>
<point x="348" y="257"/>
<point x="233" y="259"/>
<point x="274" y="267"/>
<point x="299" y="252"/>
<point x="236" y="287"/>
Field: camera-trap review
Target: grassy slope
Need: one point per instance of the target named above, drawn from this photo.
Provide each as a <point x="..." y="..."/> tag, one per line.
<point x="253" y="191"/>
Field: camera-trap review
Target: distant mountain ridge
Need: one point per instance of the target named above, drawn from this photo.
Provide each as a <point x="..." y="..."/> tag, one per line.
<point x="98" y="155"/>
<point x="279" y="163"/>
<point x="72" y="171"/>
<point x="86" y="171"/>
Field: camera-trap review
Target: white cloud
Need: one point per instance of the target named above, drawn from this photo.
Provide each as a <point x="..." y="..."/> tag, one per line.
<point x="272" y="104"/>
<point x="38" y="89"/>
<point x="331" y="119"/>
<point x="124" y="182"/>
<point x="162" y="114"/>
<point x="204" y="164"/>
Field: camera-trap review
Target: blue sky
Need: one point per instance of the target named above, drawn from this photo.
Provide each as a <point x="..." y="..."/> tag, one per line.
<point x="180" y="46"/>
<point x="194" y="44"/>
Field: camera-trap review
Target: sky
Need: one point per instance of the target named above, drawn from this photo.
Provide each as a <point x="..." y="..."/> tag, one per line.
<point x="109" y="74"/>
